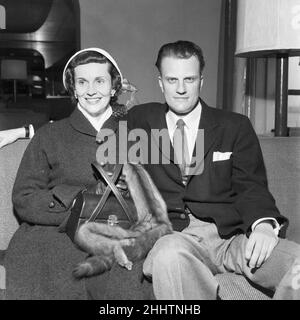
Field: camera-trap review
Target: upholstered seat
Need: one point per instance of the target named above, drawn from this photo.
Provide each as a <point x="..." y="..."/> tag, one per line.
<point x="282" y="159"/>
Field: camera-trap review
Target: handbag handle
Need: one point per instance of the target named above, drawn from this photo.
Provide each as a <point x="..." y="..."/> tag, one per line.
<point x="105" y="195"/>
<point x="110" y="187"/>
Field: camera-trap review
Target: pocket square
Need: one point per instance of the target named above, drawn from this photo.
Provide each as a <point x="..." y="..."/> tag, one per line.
<point x="220" y="156"/>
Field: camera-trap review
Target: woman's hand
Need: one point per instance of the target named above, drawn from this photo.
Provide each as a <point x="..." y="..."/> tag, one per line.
<point x="10" y="136"/>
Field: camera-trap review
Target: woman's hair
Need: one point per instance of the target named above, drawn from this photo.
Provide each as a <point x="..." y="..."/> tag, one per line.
<point x="92" y="57"/>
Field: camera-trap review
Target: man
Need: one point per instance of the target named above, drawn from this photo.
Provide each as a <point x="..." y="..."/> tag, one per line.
<point x="225" y="216"/>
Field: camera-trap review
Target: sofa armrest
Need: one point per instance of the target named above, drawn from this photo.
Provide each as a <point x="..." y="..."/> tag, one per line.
<point x="10" y="157"/>
<point x="282" y="160"/>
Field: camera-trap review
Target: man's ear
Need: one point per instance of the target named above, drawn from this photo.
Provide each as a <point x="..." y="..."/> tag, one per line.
<point x="201" y="82"/>
<point x="160" y="84"/>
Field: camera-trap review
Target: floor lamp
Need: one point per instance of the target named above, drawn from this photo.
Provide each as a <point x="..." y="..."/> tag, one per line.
<point x="13" y="69"/>
<point x="271" y="28"/>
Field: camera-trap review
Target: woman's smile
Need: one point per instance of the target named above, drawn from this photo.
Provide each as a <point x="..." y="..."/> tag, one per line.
<point x="93" y="101"/>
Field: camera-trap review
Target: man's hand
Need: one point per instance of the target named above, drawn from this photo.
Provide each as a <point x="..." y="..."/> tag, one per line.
<point x="260" y="244"/>
<point x="10" y="136"/>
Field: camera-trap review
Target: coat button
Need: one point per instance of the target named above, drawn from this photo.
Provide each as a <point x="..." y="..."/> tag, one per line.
<point x="51" y="204"/>
<point x="182" y="216"/>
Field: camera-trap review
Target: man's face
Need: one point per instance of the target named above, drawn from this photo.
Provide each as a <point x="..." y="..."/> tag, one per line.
<point x="180" y="82"/>
<point x="93" y="87"/>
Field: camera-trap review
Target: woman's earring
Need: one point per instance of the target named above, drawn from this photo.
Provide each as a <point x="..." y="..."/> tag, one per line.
<point x="112" y="93"/>
<point x="75" y="95"/>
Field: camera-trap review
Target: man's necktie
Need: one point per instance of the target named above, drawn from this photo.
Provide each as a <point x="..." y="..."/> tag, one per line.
<point x="181" y="147"/>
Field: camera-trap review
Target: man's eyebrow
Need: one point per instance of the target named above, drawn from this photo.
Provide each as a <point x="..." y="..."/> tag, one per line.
<point x="195" y="75"/>
<point x="191" y="76"/>
<point x="171" y="77"/>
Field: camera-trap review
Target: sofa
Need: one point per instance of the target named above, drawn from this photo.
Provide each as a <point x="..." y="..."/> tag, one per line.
<point x="282" y="160"/>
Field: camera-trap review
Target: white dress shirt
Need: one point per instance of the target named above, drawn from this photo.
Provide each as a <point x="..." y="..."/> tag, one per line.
<point x="191" y="121"/>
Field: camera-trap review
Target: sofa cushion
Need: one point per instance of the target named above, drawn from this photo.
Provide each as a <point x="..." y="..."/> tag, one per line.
<point x="10" y="157"/>
<point x="282" y="159"/>
<point x="236" y="287"/>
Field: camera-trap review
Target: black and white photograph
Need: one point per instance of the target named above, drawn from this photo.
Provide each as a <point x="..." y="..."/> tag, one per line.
<point x="150" y="154"/>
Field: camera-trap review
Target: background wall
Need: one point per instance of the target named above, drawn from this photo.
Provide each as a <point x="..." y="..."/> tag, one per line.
<point x="134" y="30"/>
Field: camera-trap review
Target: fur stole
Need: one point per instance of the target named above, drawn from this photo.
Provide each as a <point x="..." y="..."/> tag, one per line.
<point x="108" y="244"/>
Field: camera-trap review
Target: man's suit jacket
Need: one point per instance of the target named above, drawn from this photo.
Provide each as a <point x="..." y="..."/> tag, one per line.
<point x="233" y="193"/>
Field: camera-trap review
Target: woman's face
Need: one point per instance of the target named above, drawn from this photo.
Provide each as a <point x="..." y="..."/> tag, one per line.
<point x="93" y="87"/>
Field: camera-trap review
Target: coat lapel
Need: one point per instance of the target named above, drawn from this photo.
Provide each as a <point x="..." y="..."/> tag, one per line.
<point x="211" y="129"/>
<point x="210" y="126"/>
<point x="159" y="122"/>
<point x="112" y="124"/>
<point x="80" y="123"/>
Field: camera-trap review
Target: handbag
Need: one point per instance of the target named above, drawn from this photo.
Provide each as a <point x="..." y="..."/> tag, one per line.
<point x="109" y="208"/>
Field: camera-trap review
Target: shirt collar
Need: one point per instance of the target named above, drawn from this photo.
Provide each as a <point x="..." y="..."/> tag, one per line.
<point x="191" y="119"/>
<point x="98" y="122"/>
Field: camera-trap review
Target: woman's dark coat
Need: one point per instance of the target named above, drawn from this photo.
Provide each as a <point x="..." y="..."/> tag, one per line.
<point x="55" y="167"/>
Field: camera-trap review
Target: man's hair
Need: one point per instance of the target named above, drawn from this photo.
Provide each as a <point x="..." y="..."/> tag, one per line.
<point x="90" y="57"/>
<point x="182" y="50"/>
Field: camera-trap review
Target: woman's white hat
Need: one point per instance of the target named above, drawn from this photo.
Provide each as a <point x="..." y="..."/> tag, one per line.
<point x="101" y="51"/>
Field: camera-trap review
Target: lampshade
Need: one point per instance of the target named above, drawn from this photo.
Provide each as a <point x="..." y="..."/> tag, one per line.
<point x="266" y="27"/>
<point x="13" y="69"/>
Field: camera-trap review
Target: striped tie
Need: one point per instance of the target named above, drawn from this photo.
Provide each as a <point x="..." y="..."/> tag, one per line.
<point x="181" y="147"/>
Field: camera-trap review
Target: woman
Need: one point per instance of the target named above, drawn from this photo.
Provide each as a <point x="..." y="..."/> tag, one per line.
<point x="55" y="167"/>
